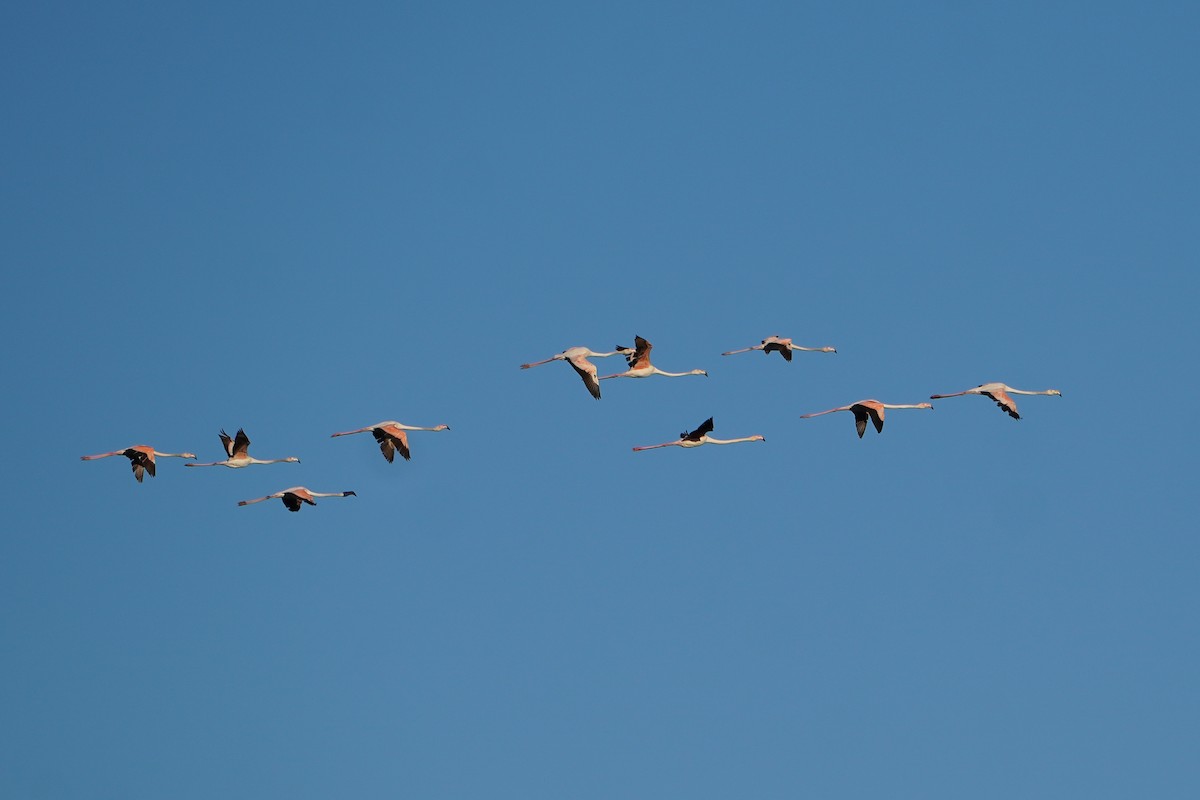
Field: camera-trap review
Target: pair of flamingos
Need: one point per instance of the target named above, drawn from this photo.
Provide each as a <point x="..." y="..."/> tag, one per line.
<point x="874" y="410"/>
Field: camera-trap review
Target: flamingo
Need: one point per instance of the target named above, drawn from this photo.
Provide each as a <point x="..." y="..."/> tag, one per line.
<point x="998" y="392"/>
<point x="237" y="449"/>
<point x="867" y="408"/>
<point x="775" y="344"/>
<point x="391" y="437"/>
<point x="293" y="497"/>
<point x="577" y="357"/>
<point x="141" y="458"/>
<point x="638" y="358"/>
<point x="700" y="437"/>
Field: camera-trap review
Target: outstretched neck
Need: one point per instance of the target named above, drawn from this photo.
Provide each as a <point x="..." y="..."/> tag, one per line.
<point x="710" y="440"/>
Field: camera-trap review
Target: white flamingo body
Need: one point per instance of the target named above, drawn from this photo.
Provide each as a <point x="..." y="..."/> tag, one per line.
<point x="293" y="497"/>
<point x="141" y="458"/>
<point x="638" y="359"/>
<point x="998" y="392"/>
<point x="391" y="437"/>
<point x="868" y="409"/>
<point x="778" y="344"/>
<point x="700" y="437"/>
<point x="238" y="449"/>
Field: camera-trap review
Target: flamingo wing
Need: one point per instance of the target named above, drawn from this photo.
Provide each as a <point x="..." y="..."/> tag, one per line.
<point x="776" y="347"/>
<point x="587" y="371"/>
<point x="390" y="438"/>
<point x="1004" y="401"/>
<point x="241" y="444"/>
<point x="140" y="461"/>
<point x="293" y="501"/>
<point x="698" y="434"/>
<point x="227" y="443"/>
<point x="641" y="353"/>
<point x="860" y="419"/>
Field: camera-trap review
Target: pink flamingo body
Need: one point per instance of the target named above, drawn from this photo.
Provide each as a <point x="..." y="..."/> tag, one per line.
<point x="776" y="344"/>
<point x="577" y="357"/>
<point x="867" y="409"/>
<point x="141" y="458"/>
<point x="999" y="393"/>
<point x="638" y="359"/>
<point x="238" y="449"/>
<point x="293" y="497"/>
<point x="700" y="437"/>
<point x="391" y="437"/>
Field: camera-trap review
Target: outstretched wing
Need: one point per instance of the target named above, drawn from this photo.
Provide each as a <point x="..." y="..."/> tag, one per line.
<point x="141" y="462"/>
<point x="241" y="445"/>
<point x="641" y="353"/>
<point x="587" y="371"/>
<point x="860" y="419"/>
<point x="876" y="417"/>
<point x="292" y="501"/>
<point x="698" y="434"/>
<point x="776" y="347"/>
<point x="1004" y="401"/>
<point x="227" y="443"/>
<point x="390" y="439"/>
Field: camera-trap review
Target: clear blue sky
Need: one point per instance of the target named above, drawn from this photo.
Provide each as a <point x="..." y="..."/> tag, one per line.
<point x="301" y="218"/>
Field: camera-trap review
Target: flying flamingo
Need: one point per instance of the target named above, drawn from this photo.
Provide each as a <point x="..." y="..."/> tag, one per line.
<point x="998" y="392"/>
<point x="391" y="437"/>
<point x="774" y="344"/>
<point x="638" y="358"/>
<point x="237" y="449"/>
<point x="293" y="497"/>
<point x="700" y="437"/>
<point x="141" y="458"/>
<point x="864" y="409"/>
<point x="577" y="357"/>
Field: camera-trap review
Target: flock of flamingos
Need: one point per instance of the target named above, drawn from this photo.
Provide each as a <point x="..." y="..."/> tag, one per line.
<point x="392" y="437"/>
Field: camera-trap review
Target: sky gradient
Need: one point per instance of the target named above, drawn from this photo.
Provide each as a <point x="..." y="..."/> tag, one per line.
<point x="299" y="220"/>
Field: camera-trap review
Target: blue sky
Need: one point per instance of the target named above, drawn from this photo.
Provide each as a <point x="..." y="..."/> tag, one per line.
<point x="298" y="219"/>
